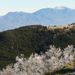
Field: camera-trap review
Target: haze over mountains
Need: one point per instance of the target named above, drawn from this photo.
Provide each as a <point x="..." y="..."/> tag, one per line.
<point x="46" y="16"/>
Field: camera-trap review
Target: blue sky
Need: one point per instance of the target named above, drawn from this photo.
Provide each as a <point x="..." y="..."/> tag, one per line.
<point x="32" y="5"/>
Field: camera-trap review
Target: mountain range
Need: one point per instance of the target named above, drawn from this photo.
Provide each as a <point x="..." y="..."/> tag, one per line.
<point x="45" y="16"/>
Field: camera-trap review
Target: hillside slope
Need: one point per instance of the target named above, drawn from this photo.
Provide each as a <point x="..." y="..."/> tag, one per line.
<point x="35" y="38"/>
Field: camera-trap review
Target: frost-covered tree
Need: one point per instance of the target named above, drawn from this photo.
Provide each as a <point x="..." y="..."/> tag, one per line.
<point x="54" y="59"/>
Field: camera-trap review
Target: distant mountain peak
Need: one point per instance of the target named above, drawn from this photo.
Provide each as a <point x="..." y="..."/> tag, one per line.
<point x="45" y="16"/>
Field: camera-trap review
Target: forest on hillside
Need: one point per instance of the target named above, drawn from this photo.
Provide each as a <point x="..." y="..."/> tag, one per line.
<point x="33" y="39"/>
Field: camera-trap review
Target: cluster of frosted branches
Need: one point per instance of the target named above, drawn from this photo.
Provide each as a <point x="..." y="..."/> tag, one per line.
<point x="53" y="59"/>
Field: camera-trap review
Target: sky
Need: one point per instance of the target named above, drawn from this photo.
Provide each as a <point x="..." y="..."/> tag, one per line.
<point x="32" y="5"/>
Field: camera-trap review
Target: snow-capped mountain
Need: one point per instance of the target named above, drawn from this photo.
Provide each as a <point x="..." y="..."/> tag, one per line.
<point x="46" y="16"/>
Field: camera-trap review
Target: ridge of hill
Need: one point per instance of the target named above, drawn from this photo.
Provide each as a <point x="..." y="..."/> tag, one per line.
<point x="31" y="39"/>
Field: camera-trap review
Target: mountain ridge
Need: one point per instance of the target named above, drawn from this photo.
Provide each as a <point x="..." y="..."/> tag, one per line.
<point x="45" y="16"/>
